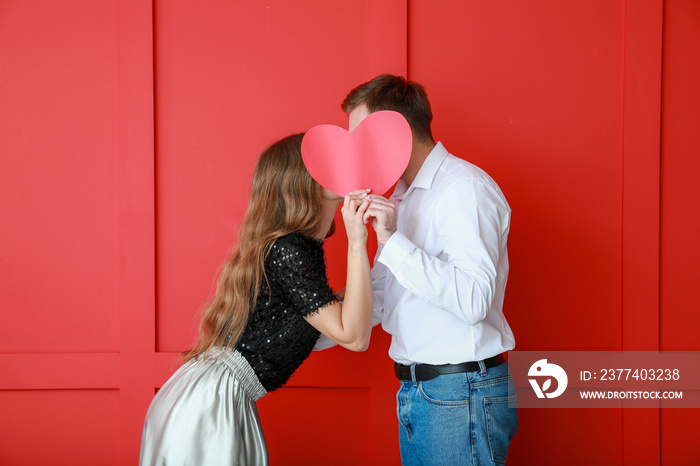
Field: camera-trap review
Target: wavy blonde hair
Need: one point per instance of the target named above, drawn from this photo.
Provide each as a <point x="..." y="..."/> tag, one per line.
<point x="283" y="199"/>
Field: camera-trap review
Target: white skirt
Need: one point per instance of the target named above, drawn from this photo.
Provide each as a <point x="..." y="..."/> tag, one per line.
<point x="205" y="414"/>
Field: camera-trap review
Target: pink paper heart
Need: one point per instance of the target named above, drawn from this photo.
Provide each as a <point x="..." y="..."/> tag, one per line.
<point x="373" y="156"/>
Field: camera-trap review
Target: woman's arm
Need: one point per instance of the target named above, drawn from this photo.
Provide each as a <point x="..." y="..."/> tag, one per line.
<point x="350" y="324"/>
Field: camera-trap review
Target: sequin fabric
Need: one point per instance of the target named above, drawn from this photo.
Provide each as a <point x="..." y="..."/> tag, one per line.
<point x="277" y="339"/>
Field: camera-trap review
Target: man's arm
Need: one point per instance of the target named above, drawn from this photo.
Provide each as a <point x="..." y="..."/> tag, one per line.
<point x="473" y="219"/>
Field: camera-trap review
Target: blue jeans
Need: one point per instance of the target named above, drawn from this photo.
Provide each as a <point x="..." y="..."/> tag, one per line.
<point x="457" y="419"/>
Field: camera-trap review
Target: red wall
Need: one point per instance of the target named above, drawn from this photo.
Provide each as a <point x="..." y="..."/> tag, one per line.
<point x="128" y="133"/>
<point x="680" y="222"/>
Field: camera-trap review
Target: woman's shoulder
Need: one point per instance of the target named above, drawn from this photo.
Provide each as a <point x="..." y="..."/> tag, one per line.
<point x="297" y="240"/>
<point x="295" y="245"/>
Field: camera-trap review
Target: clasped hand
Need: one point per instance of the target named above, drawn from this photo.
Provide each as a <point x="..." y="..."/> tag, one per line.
<point x="381" y="210"/>
<point x="354" y="210"/>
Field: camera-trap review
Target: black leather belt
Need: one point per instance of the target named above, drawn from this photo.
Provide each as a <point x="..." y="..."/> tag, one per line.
<point x="429" y="371"/>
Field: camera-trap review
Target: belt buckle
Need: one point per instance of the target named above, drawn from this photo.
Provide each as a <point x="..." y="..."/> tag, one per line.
<point x="402" y="372"/>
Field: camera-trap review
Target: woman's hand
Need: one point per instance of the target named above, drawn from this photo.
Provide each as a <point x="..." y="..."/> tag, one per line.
<point x="354" y="209"/>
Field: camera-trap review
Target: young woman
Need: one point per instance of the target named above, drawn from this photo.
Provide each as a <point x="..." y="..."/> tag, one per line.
<point x="271" y="302"/>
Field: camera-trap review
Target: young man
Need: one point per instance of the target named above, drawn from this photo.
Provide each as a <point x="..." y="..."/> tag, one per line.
<point x="439" y="280"/>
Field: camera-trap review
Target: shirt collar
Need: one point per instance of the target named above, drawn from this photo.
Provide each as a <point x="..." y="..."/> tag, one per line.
<point x="426" y="174"/>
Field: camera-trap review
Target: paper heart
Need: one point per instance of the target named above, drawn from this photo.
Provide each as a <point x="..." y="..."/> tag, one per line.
<point x="373" y="156"/>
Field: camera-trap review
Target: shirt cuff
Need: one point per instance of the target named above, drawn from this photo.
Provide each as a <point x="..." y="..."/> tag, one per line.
<point x="396" y="250"/>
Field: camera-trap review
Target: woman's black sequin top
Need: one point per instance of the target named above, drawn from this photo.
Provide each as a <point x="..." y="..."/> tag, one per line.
<point x="277" y="339"/>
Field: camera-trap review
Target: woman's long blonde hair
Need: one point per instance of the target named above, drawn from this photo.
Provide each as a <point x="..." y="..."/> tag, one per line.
<point x="283" y="199"/>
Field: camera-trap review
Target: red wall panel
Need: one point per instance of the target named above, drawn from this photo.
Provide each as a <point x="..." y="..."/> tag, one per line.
<point x="680" y="222"/>
<point x="76" y="206"/>
<point x="58" y="427"/>
<point x="560" y="103"/>
<point x="245" y="75"/>
<point x="531" y="92"/>
<point x="57" y="181"/>
<point x="324" y="438"/>
<point x="680" y="167"/>
<point x="576" y="437"/>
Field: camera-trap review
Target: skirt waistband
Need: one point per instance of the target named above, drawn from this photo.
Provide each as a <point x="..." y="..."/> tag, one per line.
<point x="241" y="369"/>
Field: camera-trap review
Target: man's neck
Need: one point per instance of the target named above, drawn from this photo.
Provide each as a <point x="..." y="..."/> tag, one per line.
<point x="419" y="153"/>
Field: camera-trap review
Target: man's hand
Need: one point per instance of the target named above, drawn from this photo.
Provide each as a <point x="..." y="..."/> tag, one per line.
<point x="383" y="213"/>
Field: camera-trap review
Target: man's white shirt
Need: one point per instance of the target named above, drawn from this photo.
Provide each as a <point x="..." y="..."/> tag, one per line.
<point x="439" y="281"/>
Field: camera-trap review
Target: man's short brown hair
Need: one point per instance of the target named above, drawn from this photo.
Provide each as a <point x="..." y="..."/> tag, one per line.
<point x="389" y="92"/>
